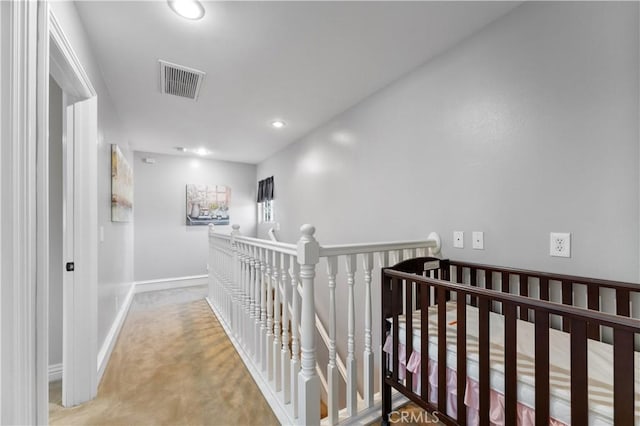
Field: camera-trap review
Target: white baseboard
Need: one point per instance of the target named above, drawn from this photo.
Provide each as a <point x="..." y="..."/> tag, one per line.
<point x="55" y="372"/>
<point x="114" y="331"/>
<point x="170" y="283"/>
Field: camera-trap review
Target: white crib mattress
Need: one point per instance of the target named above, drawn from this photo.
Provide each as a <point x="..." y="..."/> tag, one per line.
<point x="600" y="362"/>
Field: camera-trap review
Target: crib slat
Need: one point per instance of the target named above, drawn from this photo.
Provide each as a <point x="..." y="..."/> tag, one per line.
<point x="593" y="303"/>
<point x="567" y="299"/>
<point x="510" y="364"/>
<point x="473" y="281"/>
<point x="524" y="291"/>
<point x="385" y="390"/>
<point x="623" y="397"/>
<point x="544" y="288"/>
<point x="622" y="302"/>
<point x="483" y="354"/>
<point x="542" y="367"/>
<point x="488" y="279"/>
<point x="442" y="349"/>
<point x="459" y="275"/>
<point x="395" y="297"/>
<point x="461" y="351"/>
<point x="425" y="294"/>
<point x="408" y="331"/>
<point x="505" y="282"/>
<point x="445" y="275"/>
<point x="579" y="373"/>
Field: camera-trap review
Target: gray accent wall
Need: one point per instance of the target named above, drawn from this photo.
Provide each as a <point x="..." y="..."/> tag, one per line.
<point x="528" y="127"/>
<point x="115" y="253"/>
<point x="164" y="246"/>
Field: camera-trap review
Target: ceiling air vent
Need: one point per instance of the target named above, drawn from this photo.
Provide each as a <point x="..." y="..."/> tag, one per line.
<point x="180" y="81"/>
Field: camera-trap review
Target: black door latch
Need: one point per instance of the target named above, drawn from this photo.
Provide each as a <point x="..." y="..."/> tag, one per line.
<point x="70" y="266"/>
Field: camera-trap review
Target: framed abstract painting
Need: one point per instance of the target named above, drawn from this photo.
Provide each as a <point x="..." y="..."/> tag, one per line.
<point x="121" y="187"/>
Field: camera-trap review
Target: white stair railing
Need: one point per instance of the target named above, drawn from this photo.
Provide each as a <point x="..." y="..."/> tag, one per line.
<point x="263" y="293"/>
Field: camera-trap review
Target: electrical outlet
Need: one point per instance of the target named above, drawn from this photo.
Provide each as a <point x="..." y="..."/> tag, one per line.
<point x="458" y="239"/>
<point x="560" y="244"/>
<point x="478" y="240"/>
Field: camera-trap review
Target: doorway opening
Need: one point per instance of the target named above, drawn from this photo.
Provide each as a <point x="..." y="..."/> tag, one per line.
<point x="72" y="237"/>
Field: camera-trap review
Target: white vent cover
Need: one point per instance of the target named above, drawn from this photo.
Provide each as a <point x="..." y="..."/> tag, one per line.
<point x="179" y="80"/>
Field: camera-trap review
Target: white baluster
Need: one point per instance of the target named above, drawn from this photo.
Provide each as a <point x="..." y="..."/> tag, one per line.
<point x="384" y="263"/>
<point x="383" y="259"/>
<point x="243" y="293"/>
<point x="211" y="266"/>
<point x="332" y="369"/>
<point x="248" y="290"/>
<point x="256" y="303"/>
<point x="275" y="349"/>
<point x="294" y="272"/>
<point x="268" y="342"/>
<point x="352" y="372"/>
<point x="235" y="281"/>
<point x="308" y="381"/>
<point x="284" y="353"/>
<point x="263" y="310"/>
<point x="368" y="320"/>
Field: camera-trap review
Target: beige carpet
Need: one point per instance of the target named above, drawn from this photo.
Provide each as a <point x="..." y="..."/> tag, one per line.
<point x="172" y="365"/>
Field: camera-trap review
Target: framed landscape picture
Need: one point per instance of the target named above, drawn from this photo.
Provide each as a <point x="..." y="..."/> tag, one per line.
<point x="121" y="187"/>
<point x="207" y="204"/>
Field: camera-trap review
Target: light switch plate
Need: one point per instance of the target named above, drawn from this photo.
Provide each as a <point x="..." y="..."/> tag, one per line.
<point x="101" y="234"/>
<point x="478" y="240"/>
<point x="458" y="239"/>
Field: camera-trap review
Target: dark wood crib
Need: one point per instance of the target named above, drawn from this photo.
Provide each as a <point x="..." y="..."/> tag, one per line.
<point x="456" y="309"/>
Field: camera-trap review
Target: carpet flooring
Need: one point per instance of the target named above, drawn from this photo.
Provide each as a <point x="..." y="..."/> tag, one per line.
<point x="172" y="365"/>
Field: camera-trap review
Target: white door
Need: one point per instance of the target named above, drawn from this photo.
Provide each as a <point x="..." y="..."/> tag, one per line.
<point x="80" y="248"/>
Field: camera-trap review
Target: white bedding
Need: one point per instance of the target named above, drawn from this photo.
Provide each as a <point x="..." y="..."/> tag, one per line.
<point x="600" y="363"/>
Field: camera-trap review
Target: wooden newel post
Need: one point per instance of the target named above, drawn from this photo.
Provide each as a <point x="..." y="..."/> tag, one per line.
<point x="308" y="381"/>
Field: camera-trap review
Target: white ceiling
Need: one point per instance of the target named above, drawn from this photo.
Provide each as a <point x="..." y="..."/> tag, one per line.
<point x="303" y="62"/>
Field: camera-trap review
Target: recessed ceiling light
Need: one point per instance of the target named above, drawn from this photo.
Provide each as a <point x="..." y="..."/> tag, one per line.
<point x="201" y="151"/>
<point x="190" y="9"/>
<point x="181" y="148"/>
<point x="278" y="124"/>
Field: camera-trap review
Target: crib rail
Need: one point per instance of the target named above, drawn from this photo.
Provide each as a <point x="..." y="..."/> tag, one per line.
<point x="264" y="293"/>
<point x="405" y="292"/>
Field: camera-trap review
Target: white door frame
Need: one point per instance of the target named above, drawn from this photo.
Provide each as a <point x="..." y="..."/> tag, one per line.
<point x="79" y="369"/>
<point x="22" y="167"/>
<point x="54" y="49"/>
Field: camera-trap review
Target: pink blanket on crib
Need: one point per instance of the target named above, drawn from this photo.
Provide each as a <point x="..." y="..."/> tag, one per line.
<point x="526" y="415"/>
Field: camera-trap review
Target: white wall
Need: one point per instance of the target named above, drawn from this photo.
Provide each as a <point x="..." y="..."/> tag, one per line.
<point x="55" y="220"/>
<point x="115" y="253"/>
<point x="530" y="126"/>
<point x="164" y="246"/>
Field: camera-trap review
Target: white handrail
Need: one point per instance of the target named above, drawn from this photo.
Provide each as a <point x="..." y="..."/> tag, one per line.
<point x="290" y="249"/>
<point x="432" y="242"/>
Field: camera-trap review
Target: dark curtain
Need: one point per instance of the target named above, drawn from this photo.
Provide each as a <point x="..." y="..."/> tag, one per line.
<point x="265" y="190"/>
